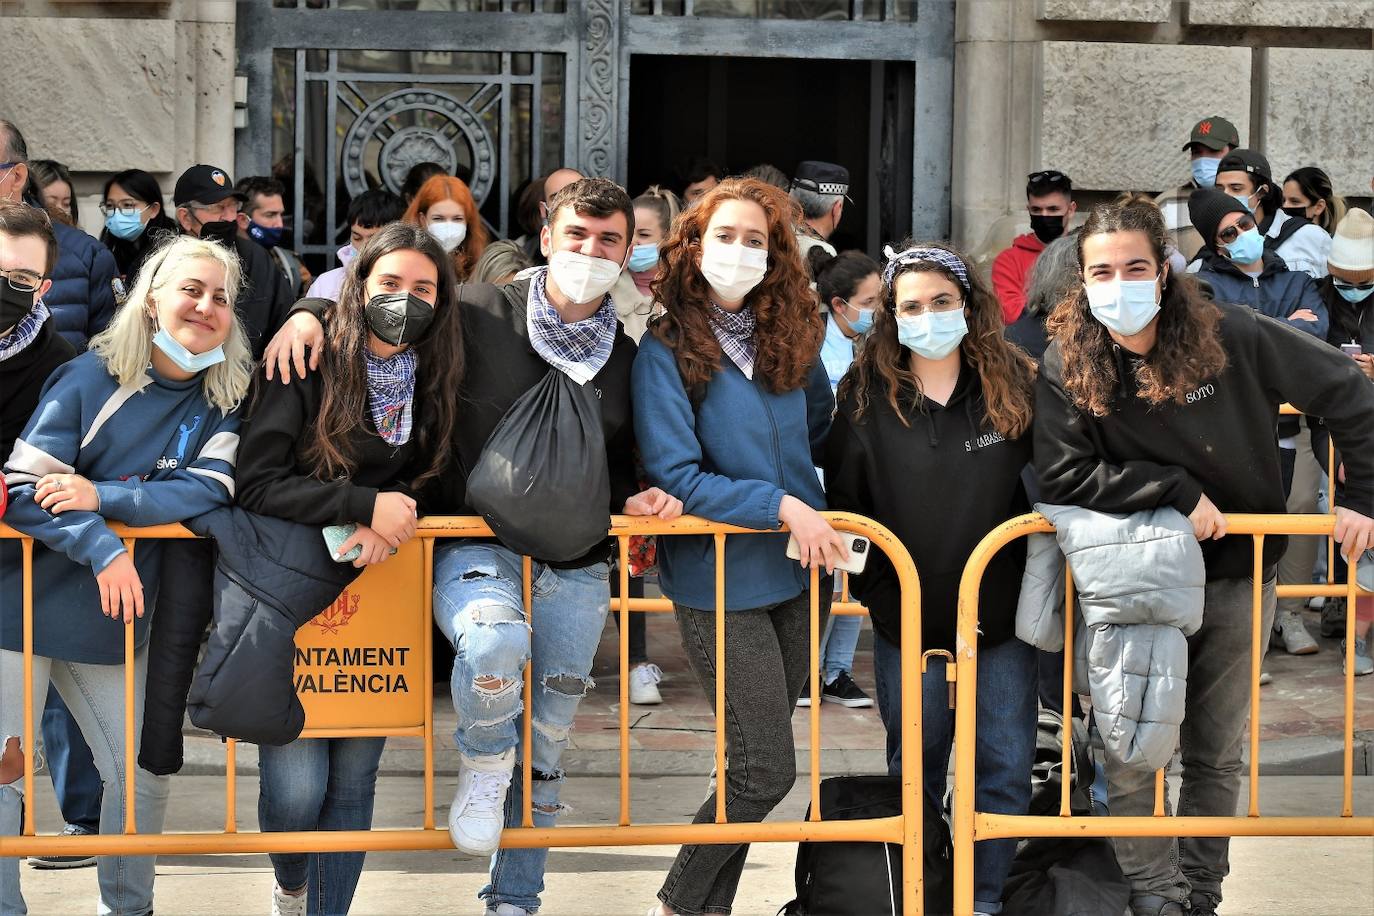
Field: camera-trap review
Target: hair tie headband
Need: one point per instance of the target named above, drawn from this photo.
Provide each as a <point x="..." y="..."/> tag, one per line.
<point x="946" y="259"/>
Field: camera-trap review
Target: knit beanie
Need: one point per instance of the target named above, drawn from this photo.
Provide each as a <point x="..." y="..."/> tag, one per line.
<point x="1207" y="207"/>
<point x="1352" y="248"/>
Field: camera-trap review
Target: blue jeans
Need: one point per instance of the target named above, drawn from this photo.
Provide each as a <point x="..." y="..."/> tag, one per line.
<point x="95" y="696"/>
<point x="75" y="780"/>
<point x="478" y="605"/>
<point x="837" y="645"/>
<point x="319" y="784"/>
<point x="1005" y="750"/>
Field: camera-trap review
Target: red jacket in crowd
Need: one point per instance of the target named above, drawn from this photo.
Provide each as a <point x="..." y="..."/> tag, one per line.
<point x="1011" y="274"/>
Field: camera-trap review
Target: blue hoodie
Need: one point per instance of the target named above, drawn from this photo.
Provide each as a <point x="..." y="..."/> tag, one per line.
<point x="157" y="451"/>
<point x="731" y="460"/>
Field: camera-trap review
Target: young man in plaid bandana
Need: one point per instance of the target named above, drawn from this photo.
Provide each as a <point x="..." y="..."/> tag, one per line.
<point x="558" y="316"/>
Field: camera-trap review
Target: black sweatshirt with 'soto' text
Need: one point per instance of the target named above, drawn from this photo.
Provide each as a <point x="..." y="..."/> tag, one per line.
<point x="1221" y="441"/>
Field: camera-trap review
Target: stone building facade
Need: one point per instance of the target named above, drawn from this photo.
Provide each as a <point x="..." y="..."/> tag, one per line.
<point x="1105" y="90"/>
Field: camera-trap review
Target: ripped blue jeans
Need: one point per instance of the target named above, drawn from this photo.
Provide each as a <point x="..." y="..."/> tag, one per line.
<point x="478" y="605"/>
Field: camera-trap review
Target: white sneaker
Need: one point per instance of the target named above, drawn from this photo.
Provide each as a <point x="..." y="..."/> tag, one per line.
<point x="284" y="904"/>
<point x="506" y="909"/>
<point x="478" y="812"/>
<point x="1296" y="640"/>
<point x="644" y="680"/>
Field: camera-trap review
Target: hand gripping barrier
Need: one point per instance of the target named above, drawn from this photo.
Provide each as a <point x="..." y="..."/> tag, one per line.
<point x="904" y="829"/>
<point x="970" y="826"/>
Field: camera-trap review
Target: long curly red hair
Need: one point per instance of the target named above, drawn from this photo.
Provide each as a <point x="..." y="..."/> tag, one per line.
<point x="446" y="187"/>
<point x="789" y="329"/>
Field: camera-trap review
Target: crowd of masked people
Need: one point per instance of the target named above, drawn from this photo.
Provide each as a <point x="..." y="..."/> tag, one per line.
<point x="712" y="356"/>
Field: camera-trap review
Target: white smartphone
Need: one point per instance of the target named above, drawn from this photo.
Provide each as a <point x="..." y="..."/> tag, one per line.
<point x="858" y="552"/>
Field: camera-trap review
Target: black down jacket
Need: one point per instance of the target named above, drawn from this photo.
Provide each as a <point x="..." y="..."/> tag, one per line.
<point x="271" y="576"/>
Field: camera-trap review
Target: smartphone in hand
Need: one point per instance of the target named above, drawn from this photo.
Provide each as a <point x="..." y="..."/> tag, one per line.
<point x="858" y="552"/>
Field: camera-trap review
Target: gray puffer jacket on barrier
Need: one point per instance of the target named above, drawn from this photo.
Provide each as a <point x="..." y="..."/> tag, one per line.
<point x="1140" y="582"/>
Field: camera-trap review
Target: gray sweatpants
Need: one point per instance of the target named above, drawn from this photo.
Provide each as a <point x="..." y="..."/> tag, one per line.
<point x="1211" y="739"/>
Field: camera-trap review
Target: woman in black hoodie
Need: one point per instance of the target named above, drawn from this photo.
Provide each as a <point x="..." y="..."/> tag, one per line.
<point x="347" y="446"/>
<point x="930" y="438"/>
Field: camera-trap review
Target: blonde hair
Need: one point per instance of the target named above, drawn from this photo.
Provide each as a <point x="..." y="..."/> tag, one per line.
<point x="126" y="346"/>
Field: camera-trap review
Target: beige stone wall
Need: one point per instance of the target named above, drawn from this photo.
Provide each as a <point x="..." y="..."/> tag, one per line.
<point x="1107" y="90"/>
<point x="103" y="87"/>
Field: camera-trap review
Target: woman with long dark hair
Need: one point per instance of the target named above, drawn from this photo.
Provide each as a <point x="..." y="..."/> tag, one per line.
<point x="1151" y="396"/>
<point x="731" y="408"/>
<point x="1308" y="192"/>
<point x="134" y="219"/>
<point x="933" y="425"/>
<point x="350" y="445"/>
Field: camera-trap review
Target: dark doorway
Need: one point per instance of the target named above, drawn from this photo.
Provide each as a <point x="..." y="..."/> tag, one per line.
<point x="742" y="111"/>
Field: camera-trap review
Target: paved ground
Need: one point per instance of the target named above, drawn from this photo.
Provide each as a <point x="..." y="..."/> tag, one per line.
<point x="1270" y="877"/>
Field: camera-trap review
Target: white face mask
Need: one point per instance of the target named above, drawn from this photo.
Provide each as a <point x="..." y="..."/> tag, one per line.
<point x="580" y="277"/>
<point x="732" y="270"/>
<point x="1124" y="306"/>
<point x="449" y="235"/>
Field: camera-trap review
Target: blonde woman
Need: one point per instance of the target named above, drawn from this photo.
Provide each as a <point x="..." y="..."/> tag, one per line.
<point x="143" y="430"/>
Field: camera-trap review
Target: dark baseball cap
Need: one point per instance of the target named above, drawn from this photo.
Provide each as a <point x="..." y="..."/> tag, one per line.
<point x="1215" y="133"/>
<point x="203" y="184"/>
<point x="1247" y="160"/>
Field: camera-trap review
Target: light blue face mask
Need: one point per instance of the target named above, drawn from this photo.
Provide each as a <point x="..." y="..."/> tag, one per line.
<point x="1205" y="172"/>
<point x="1353" y="294"/>
<point x="642" y="257"/>
<point x="861" y="324"/>
<point x="126" y="226"/>
<point x="1247" y="248"/>
<point x="933" y="335"/>
<point x="184" y="358"/>
<point x="1244" y="202"/>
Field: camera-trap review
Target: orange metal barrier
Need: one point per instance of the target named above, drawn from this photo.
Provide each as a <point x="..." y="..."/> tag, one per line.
<point x="970" y="826"/>
<point x="905" y="829"/>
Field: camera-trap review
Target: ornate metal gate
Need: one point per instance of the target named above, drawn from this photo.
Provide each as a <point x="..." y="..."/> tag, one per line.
<point x="347" y="94"/>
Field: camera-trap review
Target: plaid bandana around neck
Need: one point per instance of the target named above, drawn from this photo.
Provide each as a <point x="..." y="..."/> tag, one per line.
<point x="24" y="333"/>
<point x="391" y="394"/>
<point x="579" y="350"/>
<point x="735" y="333"/>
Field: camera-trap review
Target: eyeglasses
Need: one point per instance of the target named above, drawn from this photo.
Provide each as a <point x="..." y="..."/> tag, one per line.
<point x="942" y="304"/>
<point x="108" y="209"/>
<point x="1231" y="233"/>
<point x="22" y="281"/>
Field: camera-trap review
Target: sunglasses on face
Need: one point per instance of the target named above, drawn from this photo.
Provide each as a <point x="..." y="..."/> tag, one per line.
<point x="1361" y="287"/>
<point x="1231" y="233"/>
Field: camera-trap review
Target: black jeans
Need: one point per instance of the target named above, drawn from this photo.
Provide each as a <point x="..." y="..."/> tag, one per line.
<point x="767" y="660"/>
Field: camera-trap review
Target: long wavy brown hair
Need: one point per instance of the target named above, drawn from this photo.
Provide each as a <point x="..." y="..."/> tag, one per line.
<point x="439" y="355"/>
<point x="1187" y="350"/>
<point x="1006" y="372"/>
<point x="789" y="330"/>
<point x="446" y="187"/>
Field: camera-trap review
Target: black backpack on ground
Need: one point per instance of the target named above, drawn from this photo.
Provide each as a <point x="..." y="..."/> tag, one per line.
<point x="865" y="879"/>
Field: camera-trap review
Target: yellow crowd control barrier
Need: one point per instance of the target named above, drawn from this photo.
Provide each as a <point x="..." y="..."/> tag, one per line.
<point x="971" y="826"/>
<point x="360" y="674"/>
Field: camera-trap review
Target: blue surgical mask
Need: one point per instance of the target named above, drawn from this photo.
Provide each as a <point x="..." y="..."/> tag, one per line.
<point x="1353" y="294"/>
<point x="266" y="236"/>
<point x="184" y="358"/>
<point x="1244" y="202"/>
<point x="1247" y="248"/>
<point x="1205" y="172"/>
<point x="1124" y="306"/>
<point x="933" y="335"/>
<point x="126" y="226"/>
<point x="861" y="324"/>
<point x="642" y="257"/>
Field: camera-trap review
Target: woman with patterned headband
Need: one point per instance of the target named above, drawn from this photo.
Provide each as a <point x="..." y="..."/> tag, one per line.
<point x="934" y="425"/>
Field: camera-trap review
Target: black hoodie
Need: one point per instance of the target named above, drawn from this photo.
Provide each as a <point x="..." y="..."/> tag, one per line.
<point x="1220" y="442"/>
<point x="940" y="485"/>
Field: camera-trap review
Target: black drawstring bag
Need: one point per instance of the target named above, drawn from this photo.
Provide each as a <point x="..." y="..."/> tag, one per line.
<point x="541" y="482"/>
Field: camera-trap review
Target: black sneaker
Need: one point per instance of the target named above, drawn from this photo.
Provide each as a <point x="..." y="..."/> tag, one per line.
<point x="1202" y="904"/>
<point x="53" y="862"/>
<point x="844" y="691"/>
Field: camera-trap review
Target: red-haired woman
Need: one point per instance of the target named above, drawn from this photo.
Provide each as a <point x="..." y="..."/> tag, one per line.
<point x="445" y="207"/>
<point x="731" y="406"/>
